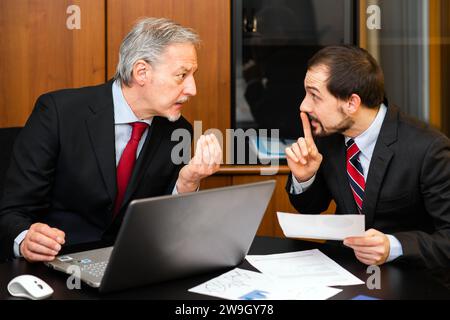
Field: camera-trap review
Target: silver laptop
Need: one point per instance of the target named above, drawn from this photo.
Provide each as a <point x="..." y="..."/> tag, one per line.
<point x="171" y="237"/>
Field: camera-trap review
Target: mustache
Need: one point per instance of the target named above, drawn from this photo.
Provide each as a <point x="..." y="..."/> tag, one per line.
<point x="183" y="100"/>
<point x="311" y="118"/>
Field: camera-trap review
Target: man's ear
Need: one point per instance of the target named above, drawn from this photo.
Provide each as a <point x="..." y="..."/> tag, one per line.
<point x="141" y="72"/>
<point x="354" y="103"/>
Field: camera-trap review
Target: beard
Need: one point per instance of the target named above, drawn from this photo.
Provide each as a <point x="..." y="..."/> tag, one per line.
<point x="320" y="131"/>
<point x="173" y="118"/>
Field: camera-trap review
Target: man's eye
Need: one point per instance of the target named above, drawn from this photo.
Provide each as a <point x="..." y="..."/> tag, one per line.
<point x="181" y="75"/>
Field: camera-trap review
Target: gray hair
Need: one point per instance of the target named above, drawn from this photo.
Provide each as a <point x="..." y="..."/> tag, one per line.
<point x="147" y="41"/>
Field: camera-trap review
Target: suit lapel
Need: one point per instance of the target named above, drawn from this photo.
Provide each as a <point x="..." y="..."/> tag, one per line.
<point x="101" y="132"/>
<point x="381" y="158"/>
<point x="147" y="155"/>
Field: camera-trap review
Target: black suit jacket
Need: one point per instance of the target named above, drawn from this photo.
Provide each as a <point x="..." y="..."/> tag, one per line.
<point x="63" y="169"/>
<point x="407" y="189"/>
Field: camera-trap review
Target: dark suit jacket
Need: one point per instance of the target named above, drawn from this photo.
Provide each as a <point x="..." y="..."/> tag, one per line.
<point x="63" y="170"/>
<point x="407" y="189"/>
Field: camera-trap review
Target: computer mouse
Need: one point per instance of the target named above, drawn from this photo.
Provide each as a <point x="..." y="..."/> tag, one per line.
<point x="30" y="287"/>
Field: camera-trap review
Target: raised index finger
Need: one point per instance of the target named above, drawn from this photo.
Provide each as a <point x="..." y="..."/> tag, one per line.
<point x="306" y="126"/>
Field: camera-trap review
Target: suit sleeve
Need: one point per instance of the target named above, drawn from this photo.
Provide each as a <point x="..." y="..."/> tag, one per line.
<point x="432" y="250"/>
<point x="314" y="200"/>
<point x="30" y="174"/>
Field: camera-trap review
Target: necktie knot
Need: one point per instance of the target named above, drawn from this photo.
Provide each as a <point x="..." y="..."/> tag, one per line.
<point x="349" y="143"/>
<point x="138" y="130"/>
<point x="352" y="149"/>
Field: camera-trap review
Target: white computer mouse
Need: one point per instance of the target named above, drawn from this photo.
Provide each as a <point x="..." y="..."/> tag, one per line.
<point x="29" y="286"/>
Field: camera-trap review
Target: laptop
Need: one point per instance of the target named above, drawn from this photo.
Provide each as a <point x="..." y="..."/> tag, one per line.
<point x="175" y="236"/>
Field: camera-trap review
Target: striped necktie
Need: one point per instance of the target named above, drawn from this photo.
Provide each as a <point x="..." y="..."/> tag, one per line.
<point x="355" y="173"/>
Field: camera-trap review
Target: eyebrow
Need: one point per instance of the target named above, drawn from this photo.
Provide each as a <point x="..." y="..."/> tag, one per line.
<point x="313" y="89"/>
<point x="183" y="69"/>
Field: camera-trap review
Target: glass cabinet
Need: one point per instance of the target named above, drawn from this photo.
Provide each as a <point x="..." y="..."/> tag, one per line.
<point x="272" y="41"/>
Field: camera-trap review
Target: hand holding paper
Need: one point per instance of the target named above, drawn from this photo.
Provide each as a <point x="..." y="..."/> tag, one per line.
<point x="372" y="249"/>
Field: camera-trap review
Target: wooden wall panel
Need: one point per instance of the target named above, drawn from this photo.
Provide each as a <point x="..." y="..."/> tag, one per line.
<point x="216" y="181"/>
<point x="39" y="53"/>
<point x="211" y="19"/>
<point x="435" y="63"/>
<point x="445" y="66"/>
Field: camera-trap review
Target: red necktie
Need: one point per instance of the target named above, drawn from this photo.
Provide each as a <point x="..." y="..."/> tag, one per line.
<point x="355" y="173"/>
<point x="126" y="163"/>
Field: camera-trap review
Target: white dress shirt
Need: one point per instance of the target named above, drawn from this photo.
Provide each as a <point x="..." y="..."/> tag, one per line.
<point x="366" y="143"/>
<point x="123" y="116"/>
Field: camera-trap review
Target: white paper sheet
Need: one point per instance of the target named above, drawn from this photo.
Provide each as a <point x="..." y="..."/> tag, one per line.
<point x="321" y="226"/>
<point x="304" y="268"/>
<point x="240" y="284"/>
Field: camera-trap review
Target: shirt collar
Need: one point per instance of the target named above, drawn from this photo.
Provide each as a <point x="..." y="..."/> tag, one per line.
<point x="122" y="111"/>
<point x="366" y="141"/>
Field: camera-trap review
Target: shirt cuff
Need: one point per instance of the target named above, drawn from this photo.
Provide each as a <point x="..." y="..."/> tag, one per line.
<point x="300" y="187"/>
<point x="17" y="241"/>
<point x="396" y="249"/>
<point x="175" y="190"/>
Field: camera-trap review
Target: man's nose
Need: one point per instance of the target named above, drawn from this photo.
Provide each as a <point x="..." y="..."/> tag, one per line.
<point x="304" y="106"/>
<point x="190" y="87"/>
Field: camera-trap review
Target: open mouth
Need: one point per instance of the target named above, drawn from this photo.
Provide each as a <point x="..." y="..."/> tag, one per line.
<point x="178" y="105"/>
<point x="313" y="120"/>
<point x="182" y="101"/>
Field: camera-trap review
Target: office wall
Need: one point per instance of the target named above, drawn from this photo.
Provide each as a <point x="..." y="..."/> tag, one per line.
<point x="445" y="71"/>
<point x="435" y="85"/>
<point x="39" y="53"/>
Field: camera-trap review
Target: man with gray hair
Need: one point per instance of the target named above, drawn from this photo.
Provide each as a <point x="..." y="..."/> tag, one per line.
<point x="85" y="153"/>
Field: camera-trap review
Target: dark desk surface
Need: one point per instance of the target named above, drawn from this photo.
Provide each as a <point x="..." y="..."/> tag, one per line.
<point x="397" y="282"/>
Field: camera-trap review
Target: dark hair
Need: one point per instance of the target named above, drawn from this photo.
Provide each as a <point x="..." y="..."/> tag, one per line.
<point x="352" y="70"/>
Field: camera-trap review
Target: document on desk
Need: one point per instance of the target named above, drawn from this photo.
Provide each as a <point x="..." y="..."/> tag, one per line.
<point x="304" y="268"/>
<point x="321" y="226"/>
<point x="240" y="284"/>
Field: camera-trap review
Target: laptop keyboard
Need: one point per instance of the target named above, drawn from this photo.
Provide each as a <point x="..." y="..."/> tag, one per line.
<point x="96" y="269"/>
